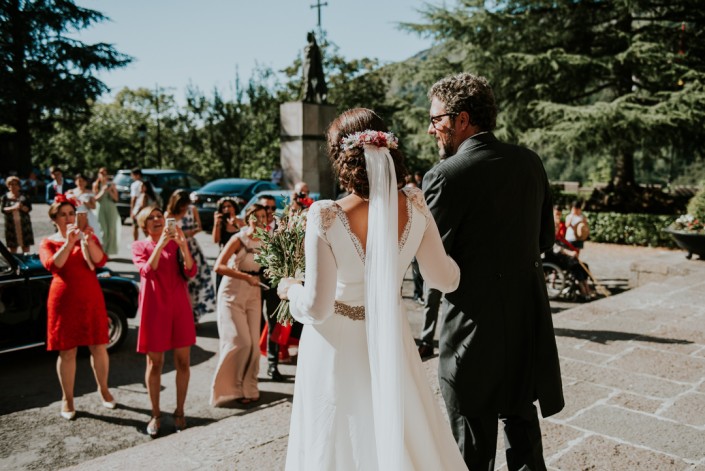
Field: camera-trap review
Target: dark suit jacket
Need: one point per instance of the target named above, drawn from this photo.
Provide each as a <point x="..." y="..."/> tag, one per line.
<point x="51" y="190"/>
<point x="492" y="205"/>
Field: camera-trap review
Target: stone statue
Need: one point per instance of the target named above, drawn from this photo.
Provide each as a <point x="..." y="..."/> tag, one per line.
<point x="314" y="83"/>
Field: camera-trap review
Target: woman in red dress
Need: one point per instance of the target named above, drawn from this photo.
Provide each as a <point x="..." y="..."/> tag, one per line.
<point x="76" y="312"/>
<point x="166" y="318"/>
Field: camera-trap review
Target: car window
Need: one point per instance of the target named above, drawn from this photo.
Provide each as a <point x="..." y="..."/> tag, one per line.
<point x="5" y="265"/>
<point x="122" y="179"/>
<point x="176" y="181"/>
<point x="193" y="182"/>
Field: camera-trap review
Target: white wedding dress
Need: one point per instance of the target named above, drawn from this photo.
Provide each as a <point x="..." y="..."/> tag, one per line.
<point x="332" y="422"/>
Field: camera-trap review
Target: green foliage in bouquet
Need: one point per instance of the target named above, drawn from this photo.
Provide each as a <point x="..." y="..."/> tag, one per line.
<point x="282" y="255"/>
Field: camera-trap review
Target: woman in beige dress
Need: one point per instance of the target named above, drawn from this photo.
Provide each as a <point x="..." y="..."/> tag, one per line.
<point x="239" y="313"/>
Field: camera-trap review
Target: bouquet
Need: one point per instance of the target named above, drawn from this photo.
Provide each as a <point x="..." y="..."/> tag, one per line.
<point x="282" y="255"/>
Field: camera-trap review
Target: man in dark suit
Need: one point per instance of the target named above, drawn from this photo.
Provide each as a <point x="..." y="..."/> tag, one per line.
<point x="270" y="299"/>
<point x="58" y="185"/>
<point x="498" y="352"/>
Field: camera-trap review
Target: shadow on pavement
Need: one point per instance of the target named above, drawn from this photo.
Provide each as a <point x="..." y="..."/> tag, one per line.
<point x="30" y="375"/>
<point x="606" y="336"/>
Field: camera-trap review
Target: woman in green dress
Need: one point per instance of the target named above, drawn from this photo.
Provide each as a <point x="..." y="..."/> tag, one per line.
<point x="106" y="195"/>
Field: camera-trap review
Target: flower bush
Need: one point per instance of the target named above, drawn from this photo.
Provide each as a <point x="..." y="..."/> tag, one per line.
<point x="694" y="221"/>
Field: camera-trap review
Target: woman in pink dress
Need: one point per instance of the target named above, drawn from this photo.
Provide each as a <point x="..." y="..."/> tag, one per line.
<point x="76" y="312"/>
<point x="166" y="319"/>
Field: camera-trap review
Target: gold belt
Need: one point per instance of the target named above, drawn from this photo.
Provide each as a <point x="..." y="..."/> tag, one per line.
<point x="356" y="313"/>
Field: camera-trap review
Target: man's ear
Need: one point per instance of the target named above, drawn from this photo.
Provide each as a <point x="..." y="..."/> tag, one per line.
<point x="464" y="118"/>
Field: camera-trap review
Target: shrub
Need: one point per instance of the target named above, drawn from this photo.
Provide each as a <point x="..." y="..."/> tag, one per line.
<point x="696" y="206"/>
<point x="630" y="229"/>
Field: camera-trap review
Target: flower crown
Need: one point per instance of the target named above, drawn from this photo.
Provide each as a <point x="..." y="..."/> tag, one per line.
<point x="369" y="138"/>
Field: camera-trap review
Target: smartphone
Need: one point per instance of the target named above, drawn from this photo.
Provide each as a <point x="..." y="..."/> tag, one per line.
<point x="171" y="225"/>
<point x="81" y="220"/>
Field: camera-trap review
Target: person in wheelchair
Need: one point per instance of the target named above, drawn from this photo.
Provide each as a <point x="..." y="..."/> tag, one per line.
<point x="565" y="255"/>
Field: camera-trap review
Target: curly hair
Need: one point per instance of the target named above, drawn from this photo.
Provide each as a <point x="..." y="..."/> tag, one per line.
<point x="469" y="93"/>
<point x="350" y="165"/>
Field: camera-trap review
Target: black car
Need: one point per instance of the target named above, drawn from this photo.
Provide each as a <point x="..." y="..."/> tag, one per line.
<point x="165" y="182"/>
<point x="24" y="288"/>
<point x="242" y="189"/>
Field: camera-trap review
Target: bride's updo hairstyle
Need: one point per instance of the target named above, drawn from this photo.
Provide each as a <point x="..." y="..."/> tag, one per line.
<point x="349" y="164"/>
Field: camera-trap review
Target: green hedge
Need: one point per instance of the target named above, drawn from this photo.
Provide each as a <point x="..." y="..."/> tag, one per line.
<point x="630" y="229"/>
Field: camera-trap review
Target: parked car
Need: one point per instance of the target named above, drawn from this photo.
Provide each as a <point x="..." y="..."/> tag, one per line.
<point x="24" y="288"/>
<point x="165" y="182"/>
<point x="282" y="197"/>
<point x="242" y="189"/>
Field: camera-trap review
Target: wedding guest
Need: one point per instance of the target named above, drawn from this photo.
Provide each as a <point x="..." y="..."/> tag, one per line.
<point x="58" y="186"/>
<point x="166" y="319"/>
<point x="572" y="221"/>
<point x="239" y="314"/>
<point x="300" y="199"/>
<point x="200" y="287"/>
<point x="76" y="313"/>
<point x="87" y="203"/>
<point x="18" y="225"/>
<point x="225" y="221"/>
<point x="271" y="299"/>
<point x="135" y="192"/>
<point x="106" y="196"/>
<point x="498" y="351"/>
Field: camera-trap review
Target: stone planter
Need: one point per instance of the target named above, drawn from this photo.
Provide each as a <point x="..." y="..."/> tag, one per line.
<point x="690" y="242"/>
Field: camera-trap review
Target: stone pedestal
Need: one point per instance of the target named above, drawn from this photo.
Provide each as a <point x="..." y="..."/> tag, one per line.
<point x="304" y="155"/>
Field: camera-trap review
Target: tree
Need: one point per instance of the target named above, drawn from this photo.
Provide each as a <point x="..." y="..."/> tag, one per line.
<point x="586" y="79"/>
<point x="44" y="74"/>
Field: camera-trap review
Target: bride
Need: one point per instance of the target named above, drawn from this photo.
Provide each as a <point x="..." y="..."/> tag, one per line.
<point x="362" y="400"/>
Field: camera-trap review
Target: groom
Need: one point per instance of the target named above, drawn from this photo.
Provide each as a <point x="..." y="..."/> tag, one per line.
<point x="498" y="352"/>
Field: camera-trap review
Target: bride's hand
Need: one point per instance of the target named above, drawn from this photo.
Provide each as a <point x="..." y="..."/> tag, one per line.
<point x="284" y="285"/>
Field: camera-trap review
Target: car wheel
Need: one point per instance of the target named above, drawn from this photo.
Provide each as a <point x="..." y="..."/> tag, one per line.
<point x="117" y="326"/>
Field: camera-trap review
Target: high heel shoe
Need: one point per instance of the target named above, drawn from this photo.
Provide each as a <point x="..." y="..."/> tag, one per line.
<point x="179" y="422"/>
<point x="107" y="404"/>
<point x="67" y="414"/>
<point x="153" y="426"/>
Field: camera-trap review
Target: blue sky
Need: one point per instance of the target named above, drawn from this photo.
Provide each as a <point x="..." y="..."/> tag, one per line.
<point x="177" y="42"/>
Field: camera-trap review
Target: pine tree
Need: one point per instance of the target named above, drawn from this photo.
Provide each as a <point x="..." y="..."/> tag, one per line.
<point x="45" y="74"/>
<point x="586" y="79"/>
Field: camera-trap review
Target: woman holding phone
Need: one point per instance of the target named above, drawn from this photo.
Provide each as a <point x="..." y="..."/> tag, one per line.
<point x="86" y="203"/>
<point x="76" y="312"/>
<point x="166" y="319"/>
<point x="239" y="313"/>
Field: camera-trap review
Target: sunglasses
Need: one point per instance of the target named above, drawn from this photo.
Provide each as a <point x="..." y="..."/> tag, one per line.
<point x="271" y="208"/>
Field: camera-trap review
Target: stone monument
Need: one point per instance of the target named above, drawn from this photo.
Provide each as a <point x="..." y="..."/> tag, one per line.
<point x="304" y="155"/>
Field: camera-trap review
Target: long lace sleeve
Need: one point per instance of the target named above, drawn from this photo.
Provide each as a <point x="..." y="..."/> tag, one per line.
<point x="313" y="302"/>
<point x="438" y="269"/>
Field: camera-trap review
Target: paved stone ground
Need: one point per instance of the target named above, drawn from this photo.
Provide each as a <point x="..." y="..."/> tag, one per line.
<point x="633" y="368"/>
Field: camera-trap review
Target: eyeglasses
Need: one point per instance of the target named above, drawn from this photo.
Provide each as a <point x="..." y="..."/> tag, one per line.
<point x="436" y="119"/>
<point x="271" y="208"/>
